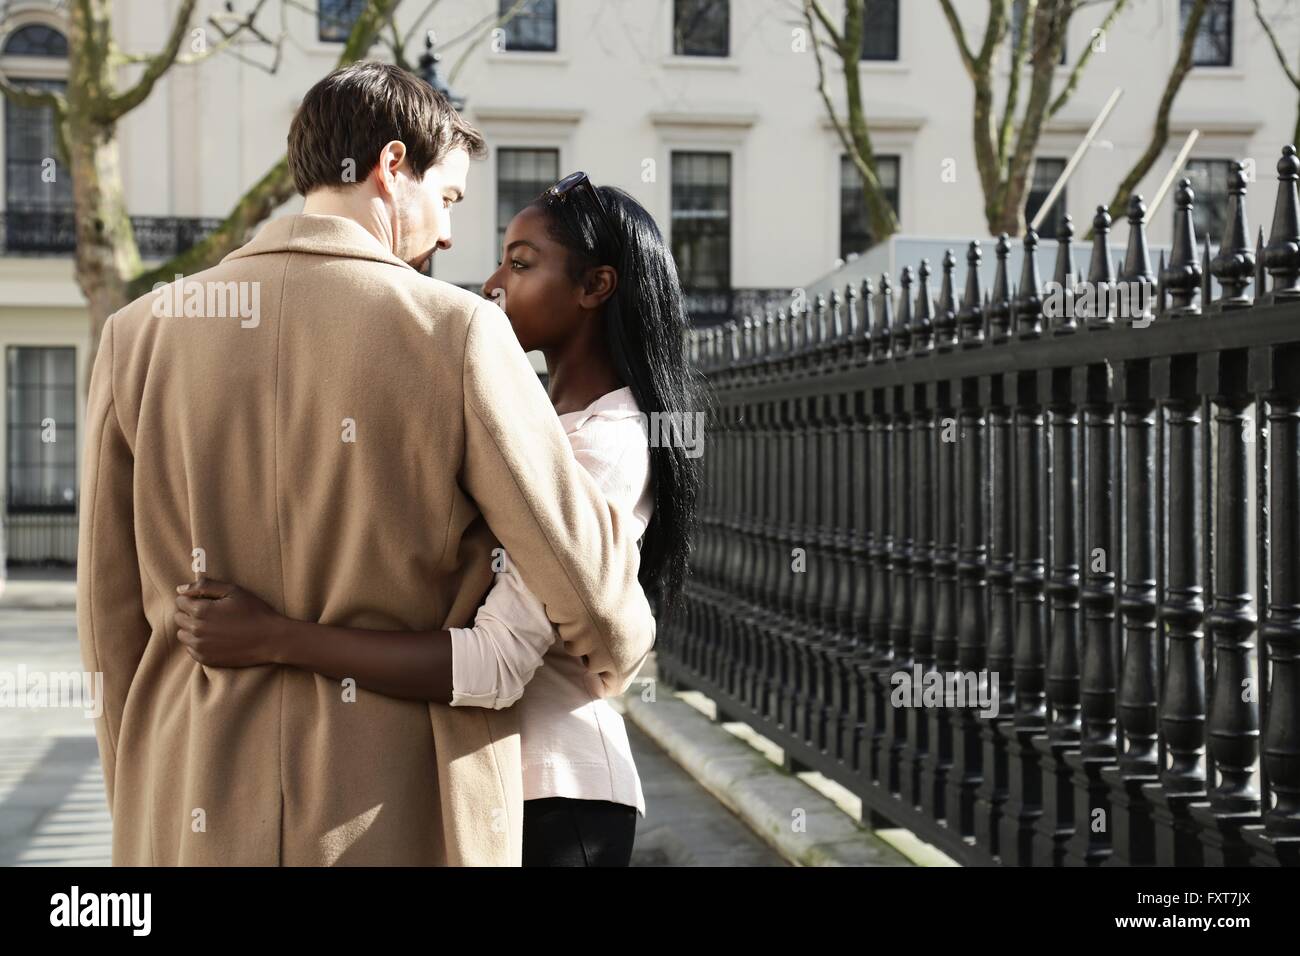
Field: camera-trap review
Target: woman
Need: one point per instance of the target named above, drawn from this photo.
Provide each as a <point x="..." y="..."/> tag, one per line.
<point x="586" y="279"/>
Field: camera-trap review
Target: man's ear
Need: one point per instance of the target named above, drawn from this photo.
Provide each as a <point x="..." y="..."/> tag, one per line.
<point x="391" y="158"/>
<point x="597" y="286"/>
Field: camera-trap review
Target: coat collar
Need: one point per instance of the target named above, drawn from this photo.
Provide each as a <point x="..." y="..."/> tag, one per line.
<point x="318" y="234"/>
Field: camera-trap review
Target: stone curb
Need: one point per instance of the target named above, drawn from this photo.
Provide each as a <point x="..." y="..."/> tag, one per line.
<point x="38" y="595"/>
<point x="760" y="793"/>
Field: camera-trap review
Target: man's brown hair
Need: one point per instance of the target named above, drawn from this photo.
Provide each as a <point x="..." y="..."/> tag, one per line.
<point x="354" y="111"/>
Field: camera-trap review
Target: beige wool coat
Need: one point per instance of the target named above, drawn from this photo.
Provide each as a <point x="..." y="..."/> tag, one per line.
<point x="352" y="450"/>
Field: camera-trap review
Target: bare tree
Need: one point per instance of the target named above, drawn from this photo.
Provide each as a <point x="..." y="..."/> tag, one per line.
<point x="108" y="266"/>
<point x="398" y="43"/>
<point x="845" y="42"/>
<point x="1005" y="145"/>
<point x="1160" y="129"/>
<point x="1292" y="75"/>
<point x="107" y="260"/>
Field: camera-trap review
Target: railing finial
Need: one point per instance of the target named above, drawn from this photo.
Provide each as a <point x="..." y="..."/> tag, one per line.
<point x="1182" y="276"/>
<point x="1027" y="306"/>
<point x="1100" y="277"/>
<point x="1063" y="277"/>
<point x="923" y="316"/>
<point x="970" y="320"/>
<point x="945" y="321"/>
<point x="1136" y="272"/>
<point x="1234" y="266"/>
<point x="903" y="323"/>
<point x="884" y="329"/>
<point x="1000" y="299"/>
<point x="1282" y="255"/>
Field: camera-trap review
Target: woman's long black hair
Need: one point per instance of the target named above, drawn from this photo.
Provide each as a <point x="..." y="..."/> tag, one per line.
<point x="646" y="324"/>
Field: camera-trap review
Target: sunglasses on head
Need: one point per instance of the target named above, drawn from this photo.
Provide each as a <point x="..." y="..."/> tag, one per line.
<point x="571" y="184"/>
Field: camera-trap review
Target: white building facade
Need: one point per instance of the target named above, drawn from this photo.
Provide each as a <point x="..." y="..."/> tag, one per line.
<point x="705" y="110"/>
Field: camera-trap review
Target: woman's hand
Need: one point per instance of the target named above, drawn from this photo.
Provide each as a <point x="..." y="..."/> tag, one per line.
<point x="222" y="625"/>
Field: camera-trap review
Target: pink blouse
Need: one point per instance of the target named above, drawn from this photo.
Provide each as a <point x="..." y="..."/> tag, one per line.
<point x="574" y="743"/>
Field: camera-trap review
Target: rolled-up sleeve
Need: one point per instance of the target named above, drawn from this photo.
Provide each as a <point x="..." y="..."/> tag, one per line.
<point x="493" y="660"/>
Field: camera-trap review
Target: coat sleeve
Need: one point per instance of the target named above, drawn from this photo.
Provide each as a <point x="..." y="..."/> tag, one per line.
<point x="571" y="548"/>
<point x="111" y="625"/>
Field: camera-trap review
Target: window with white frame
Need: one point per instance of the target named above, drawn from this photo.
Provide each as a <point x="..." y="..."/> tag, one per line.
<point x="1213" y="45"/>
<point x="522" y="176"/>
<point x="855" y="224"/>
<point x="531" y="28"/>
<point x="701" y="27"/>
<point x="41" y="426"/>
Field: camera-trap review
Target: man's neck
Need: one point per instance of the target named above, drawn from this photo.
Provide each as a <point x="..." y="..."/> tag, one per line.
<point x="366" y="211"/>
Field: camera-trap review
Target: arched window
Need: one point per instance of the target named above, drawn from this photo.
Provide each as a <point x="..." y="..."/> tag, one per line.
<point x="36" y="39"/>
<point x="37" y="186"/>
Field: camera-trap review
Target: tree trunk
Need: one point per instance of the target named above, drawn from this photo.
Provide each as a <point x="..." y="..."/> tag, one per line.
<point x="1160" y="131"/>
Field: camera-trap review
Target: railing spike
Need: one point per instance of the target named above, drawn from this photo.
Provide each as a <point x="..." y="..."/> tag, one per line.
<point x="945" y="321"/>
<point x="884" y="320"/>
<point x="970" y="320"/>
<point x="1183" y="274"/>
<point x="866" y="317"/>
<point x="999" y="310"/>
<point x="851" y="320"/>
<point x="903" y="324"/>
<point x="1282" y="255"/>
<point x="1027" y="306"/>
<point x="1261" y="276"/>
<point x="1207" y="290"/>
<point x="1100" y="277"/>
<point x="1063" y="278"/>
<point x="1160" y="286"/>
<point x="1234" y="266"/>
<point x="923" y="315"/>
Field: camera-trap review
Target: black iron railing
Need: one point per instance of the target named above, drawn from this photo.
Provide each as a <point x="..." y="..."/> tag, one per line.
<point x="1045" y="516"/>
<point x="53" y="233"/>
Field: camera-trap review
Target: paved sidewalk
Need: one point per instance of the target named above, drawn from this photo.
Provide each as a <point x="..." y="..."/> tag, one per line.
<point x="52" y="806"/>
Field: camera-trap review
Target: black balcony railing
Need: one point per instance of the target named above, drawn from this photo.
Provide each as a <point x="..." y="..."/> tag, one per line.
<point x="53" y="233"/>
<point x="707" y="307"/>
<point x="1052" y="507"/>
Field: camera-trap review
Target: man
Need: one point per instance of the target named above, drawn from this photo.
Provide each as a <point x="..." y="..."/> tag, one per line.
<point x="353" y="440"/>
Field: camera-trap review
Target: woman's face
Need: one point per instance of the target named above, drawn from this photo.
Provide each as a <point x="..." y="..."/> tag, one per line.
<point x="533" y="286"/>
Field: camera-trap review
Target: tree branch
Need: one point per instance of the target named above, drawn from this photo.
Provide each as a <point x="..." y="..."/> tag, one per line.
<point x="1028" y="26"/>
<point x="116" y="106"/>
<point x="1073" y="81"/>
<point x="493" y="24"/>
<point x="32" y="97"/>
<point x="1160" y="133"/>
<point x="272" y="190"/>
<point x="959" y="34"/>
<point x="247" y="24"/>
<point x="1277" y="47"/>
<point x="827" y="23"/>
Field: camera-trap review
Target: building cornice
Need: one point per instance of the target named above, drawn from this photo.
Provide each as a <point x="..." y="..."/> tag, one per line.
<point x="519" y="114"/>
<point x="882" y="119"/>
<point x="716" y="120"/>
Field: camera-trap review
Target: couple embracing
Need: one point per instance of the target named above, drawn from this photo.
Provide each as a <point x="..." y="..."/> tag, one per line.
<point x="359" y="588"/>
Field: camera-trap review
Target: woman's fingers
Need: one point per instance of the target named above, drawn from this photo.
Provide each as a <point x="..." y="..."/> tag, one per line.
<point x="206" y="587"/>
<point x="184" y="622"/>
<point x="197" y="608"/>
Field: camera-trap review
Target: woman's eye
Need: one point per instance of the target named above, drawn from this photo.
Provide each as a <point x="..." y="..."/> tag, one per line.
<point x="516" y="264"/>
